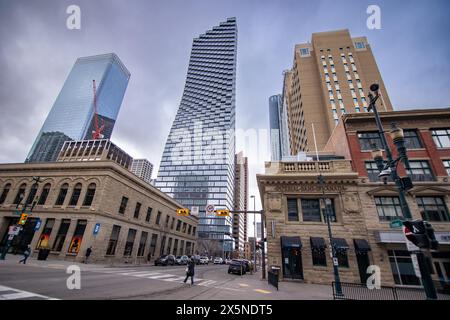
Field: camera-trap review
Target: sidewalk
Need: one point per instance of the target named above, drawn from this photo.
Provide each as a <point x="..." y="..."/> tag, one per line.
<point x="12" y="259"/>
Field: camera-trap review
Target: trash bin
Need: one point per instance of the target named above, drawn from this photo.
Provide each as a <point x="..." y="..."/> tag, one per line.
<point x="43" y="254"/>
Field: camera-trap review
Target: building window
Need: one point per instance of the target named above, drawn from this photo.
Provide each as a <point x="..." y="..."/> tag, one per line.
<point x="173" y="223"/>
<point x="89" y="197"/>
<point x="420" y="171"/>
<point x="130" y="242"/>
<point x="445" y="162"/>
<point x="359" y="45"/>
<point x="178" y="225"/>
<point x="432" y="208"/>
<point x="62" y="195"/>
<point x="20" y="194"/>
<point x="388" y="208"/>
<point x="318" y="252"/>
<point x="142" y="242"/>
<point x="304" y="52"/>
<point x="412" y="140"/>
<point x="61" y="235"/>
<point x="5" y="193"/>
<point x="158" y="217"/>
<point x="77" y="237"/>
<point x="372" y="171"/>
<point x="45" y="235"/>
<point x="342" y="258"/>
<point x="167" y="221"/>
<point x="75" y="195"/>
<point x="44" y="194"/>
<point x="123" y="205"/>
<point x="402" y="267"/>
<point x="149" y="214"/>
<point x="153" y="244"/>
<point x="169" y="245"/>
<point x="175" y="247"/>
<point x="311" y="210"/>
<point x="189" y="229"/>
<point x="184" y="227"/>
<point x="441" y="137"/>
<point x="137" y="209"/>
<point x="193" y="230"/>
<point x="112" y="244"/>
<point x="292" y="206"/>
<point x="367" y="139"/>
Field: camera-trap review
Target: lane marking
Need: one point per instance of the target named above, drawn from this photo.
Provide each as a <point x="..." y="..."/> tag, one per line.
<point x="243" y="284"/>
<point x="262" y="291"/>
<point x="20" y="294"/>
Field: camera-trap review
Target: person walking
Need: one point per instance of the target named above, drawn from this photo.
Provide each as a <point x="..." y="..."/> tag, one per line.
<point x="88" y="254"/>
<point x="190" y="270"/>
<point x="26" y="254"/>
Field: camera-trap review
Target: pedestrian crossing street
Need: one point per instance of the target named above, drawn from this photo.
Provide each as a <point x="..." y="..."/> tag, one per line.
<point x="7" y="293"/>
<point x="154" y="275"/>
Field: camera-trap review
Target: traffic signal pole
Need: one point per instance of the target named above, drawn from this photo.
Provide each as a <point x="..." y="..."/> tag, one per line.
<point x="425" y="272"/>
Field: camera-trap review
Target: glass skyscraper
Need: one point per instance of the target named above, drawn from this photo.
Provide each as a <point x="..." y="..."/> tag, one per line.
<point x="72" y="114"/>
<point x="197" y="166"/>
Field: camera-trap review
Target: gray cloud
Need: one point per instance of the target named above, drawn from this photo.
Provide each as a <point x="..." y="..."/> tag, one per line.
<point x="153" y="39"/>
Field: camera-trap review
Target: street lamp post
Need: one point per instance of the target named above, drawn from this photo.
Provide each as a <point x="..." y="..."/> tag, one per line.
<point x="327" y="215"/>
<point x="403" y="184"/>
<point x="254" y="230"/>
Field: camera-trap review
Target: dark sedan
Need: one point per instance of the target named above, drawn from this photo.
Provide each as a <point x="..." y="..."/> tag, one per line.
<point x="165" y="260"/>
<point x="237" y="266"/>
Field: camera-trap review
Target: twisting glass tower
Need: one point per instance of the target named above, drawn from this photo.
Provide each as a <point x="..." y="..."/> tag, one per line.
<point x="197" y="166"/>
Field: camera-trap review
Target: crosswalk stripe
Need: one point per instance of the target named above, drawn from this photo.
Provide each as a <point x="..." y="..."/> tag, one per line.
<point x="19" y="294"/>
<point x="207" y="283"/>
<point x="161" y="276"/>
<point x="144" y="275"/>
<point x="175" y="279"/>
<point x="136" y="273"/>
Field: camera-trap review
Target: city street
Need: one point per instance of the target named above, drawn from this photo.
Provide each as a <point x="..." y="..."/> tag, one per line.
<point x="47" y="280"/>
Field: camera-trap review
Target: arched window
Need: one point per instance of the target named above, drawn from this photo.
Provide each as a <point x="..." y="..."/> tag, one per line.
<point x="20" y="193"/>
<point x="62" y="194"/>
<point x="75" y="195"/>
<point x="5" y="193"/>
<point x="90" y="193"/>
<point x="44" y="194"/>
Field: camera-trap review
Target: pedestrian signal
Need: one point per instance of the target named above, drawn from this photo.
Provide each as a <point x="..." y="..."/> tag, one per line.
<point x="183" y="212"/>
<point x="223" y="212"/>
<point x="23" y="218"/>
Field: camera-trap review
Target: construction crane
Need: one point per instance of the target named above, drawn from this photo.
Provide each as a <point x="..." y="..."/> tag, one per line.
<point x="97" y="133"/>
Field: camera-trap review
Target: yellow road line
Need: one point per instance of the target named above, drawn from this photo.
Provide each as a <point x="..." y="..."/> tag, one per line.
<point x="261" y="291"/>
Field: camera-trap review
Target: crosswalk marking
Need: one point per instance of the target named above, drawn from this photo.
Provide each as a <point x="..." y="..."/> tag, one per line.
<point x="207" y="283"/>
<point x="19" y="294"/>
<point x="161" y="276"/>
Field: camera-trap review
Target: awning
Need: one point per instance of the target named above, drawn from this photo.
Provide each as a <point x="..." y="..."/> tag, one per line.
<point x="294" y="242"/>
<point x="361" y="245"/>
<point x="339" y="243"/>
<point x="318" y="243"/>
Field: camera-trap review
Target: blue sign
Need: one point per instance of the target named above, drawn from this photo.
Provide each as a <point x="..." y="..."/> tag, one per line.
<point x="96" y="228"/>
<point x="38" y="225"/>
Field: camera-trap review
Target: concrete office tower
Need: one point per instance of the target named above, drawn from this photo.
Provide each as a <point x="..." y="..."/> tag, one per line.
<point x="143" y="169"/>
<point x="279" y="132"/>
<point x="197" y="166"/>
<point x="240" y="201"/>
<point x="330" y="76"/>
<point x="72" y="114"/>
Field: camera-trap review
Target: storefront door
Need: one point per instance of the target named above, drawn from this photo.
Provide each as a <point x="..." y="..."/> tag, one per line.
<point x="363" y="264"/>
<point x="292" y="263"/>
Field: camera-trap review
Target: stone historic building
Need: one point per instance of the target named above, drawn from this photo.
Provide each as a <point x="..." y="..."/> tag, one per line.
<point x="93" y="203"/>
<point x="362" y="206"/>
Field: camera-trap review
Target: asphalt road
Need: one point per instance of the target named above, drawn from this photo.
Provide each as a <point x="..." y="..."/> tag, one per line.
<point x="37" y="281"/>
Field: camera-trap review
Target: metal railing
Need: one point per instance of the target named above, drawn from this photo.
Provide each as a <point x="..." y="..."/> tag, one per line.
<point x="359" y="291"/>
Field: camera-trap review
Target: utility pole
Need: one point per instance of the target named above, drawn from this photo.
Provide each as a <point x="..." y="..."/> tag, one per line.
<point x="254" y="230"/>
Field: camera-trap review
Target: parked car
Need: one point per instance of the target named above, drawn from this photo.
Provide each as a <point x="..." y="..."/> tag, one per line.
<point x="237" y="266"/>
<point x="166" y="259"/>
<point x="218" y="260"/>
<point x="228" y="261"/>
<point x="204" y="260"/>
<point x="248" y="265"/>
<point x="196" y="258"/>
<point x="181" y="260"/>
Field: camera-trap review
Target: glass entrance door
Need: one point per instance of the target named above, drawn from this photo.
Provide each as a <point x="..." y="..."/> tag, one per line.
<point x="292" y="263"/>
<point x="363" y="264"/>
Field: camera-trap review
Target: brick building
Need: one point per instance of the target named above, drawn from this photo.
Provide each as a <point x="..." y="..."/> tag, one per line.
<point x="362" y="205"/>
<point x="133" y="218"/>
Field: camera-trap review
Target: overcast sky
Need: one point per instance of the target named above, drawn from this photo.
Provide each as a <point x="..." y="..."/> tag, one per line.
<point x="153" y="39"/>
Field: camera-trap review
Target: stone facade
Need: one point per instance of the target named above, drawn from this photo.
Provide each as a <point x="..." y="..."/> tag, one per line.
<point x="111" y="183"/>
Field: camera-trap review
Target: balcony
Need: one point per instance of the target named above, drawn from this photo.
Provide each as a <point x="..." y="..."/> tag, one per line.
<point x="309" y="167"/>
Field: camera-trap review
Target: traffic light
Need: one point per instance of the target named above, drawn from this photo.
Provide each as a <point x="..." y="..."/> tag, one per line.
<point x="434" y="244"/>
<point x="421" y="233"/>
<point x="183" y="212"/>
<point x="23" y="218"/>
<point x="223" y="212"/>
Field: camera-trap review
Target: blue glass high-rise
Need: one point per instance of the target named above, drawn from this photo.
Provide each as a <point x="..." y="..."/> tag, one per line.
<point x="197" y="166"/>
<point x="72" y="114"/>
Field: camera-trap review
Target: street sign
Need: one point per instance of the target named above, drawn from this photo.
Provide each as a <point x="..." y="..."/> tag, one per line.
<point x="194" y="211"/>
<point x="415" y="263"/>
<point x="96" y="228"/>
<point x="14" y="230"/>
<point x="209" y="208"/>
<point x="335" y="262"/>
<point x="396" y="224"/>
<point x="38" y="225"/>
<point x="409" y="245"/>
